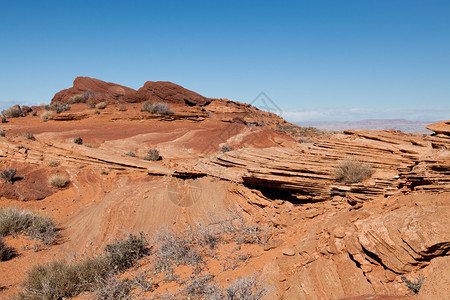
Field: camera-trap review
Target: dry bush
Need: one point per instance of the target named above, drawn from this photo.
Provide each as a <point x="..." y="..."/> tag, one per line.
<point x="59" y="279"/>
<point x="2" y="133"/>
<point x="113" y="288"/>
<point x="58" y="180"/>
<point x="414" y="286"/>
<point x="142" y="281"/>
<point x="13" y="112"/>
<point x="53" y="163"/>
<point x="152" y="155"/>
<point x="29" y="136"/>
<point x="8" y="175"/>
<point x="6" y="253"/>
<point x="37" y="226"/>
<point x="59" y="107"/>
<point x="352" y="171"/>
<point x="130" y="153"/>
<point x="78" y="141"/>
<point x="101" y="105"/>
<point x="122" y="108"/>
<point x="156" y="108"/>
<point x="226" y="149"/>
<point x="170" y="249"/>
<point x="122" y="254"/>
<point x="83" y="97"/>
<point x="47" y="115"/>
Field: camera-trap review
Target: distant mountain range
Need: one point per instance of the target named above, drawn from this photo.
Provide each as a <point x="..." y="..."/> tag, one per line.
<point x="376" y="124"/>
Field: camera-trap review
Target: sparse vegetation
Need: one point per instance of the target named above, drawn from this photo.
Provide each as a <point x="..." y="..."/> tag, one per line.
<point x="414" y="286"/>
<point x="156" y="108"/>
<point x="122" y="108"/>
<point x="101" y="105"/>
<point x="78" y="141"/>
<point x="6" y="252"/>
<point x="83" y="97"/>
<point x="122" y="254"/>
<point x="226" y="149"/>
<point x="59" y="279"/>
<point x="152" y="155"/>
<point x="13" y="112"/>
<point x="35" y="225"/>
<point x="2" y="133"/>
<point x="58" y="180"/>
<point x="53" y="163"/>
<point x="8" y="175"/>
<point x="47" y="115"/>
<point x="352" y="171"/>
<point x="59" y="107"/>
<point x="29" y="136"/>
<point x="130" y="153"/>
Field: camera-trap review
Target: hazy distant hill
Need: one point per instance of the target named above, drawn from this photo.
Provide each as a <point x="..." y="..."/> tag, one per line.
<point x="397" y="124"/>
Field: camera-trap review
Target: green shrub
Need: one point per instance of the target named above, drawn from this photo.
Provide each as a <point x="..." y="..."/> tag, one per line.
<point x="156" y="108"/>
<point x="352" y="171"/>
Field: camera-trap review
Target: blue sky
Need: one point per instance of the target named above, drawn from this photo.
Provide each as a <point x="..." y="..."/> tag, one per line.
<point x="317" y="60"/>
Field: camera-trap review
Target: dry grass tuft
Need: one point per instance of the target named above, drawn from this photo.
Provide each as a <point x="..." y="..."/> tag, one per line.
<point x="58" y="180"/>
<point x="152" y="155"/>
<point x="47" y="115"/>
<point x="101" y="105"/>
<point x="156" y="108"/>
<point x="352" y="171"/>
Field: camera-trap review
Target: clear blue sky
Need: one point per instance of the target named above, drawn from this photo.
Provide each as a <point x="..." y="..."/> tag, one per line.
<point x="318" y="60"/>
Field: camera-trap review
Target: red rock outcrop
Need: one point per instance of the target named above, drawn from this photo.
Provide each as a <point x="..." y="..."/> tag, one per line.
<point x="440" y="128"/>
<point x="171" y="93"/>
<point x="102" y="91"/>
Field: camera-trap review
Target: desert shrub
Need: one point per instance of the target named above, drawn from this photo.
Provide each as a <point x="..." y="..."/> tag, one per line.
<point x="152" y="154"/>
<point x="101" y="105"/>
<point x="91" y="104"/>
<point x="83" y="97"/>
<point x="13" y="112"/>
<point x="122" y="108"/>
<point x="130" y="153"/>
<point x="8" y="175"/>
<point x="37" y="226"/>
<point x="59" y="279"/>
<point x="156" y="108"/>
<point x="96" y="112"/>
<point x="113" y="288"/>
<point x="226" y="149"/>
<point x="141" y="280"/>
<point x="122" y="254"/>
<point x="29" y="136"/>
<point x="58" y="180"/>
<point x="47" y="115"/>
<point x="53" y="163"/>
<point x="6" y="253"/>
<point x="2" y="133"/>
<point x="172" y="249"/>
<point x="4" y="119"/>
<point x="59" y="107"/>
<point x="249" y="288"/>
<point x="78" y="141"/>
<point x="352" y="171"/>
<point x="413" y="285"/>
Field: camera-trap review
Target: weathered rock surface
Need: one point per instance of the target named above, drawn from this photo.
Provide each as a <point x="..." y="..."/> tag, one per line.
<point x="436" y="285"/>
<point x="440" y="128"/>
